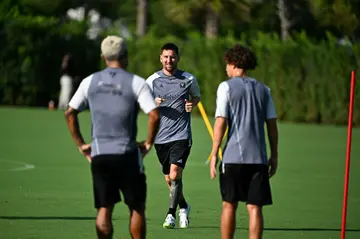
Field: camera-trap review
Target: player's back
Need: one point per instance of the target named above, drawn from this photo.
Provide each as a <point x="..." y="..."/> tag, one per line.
<point x="248" y="100"/>
<point x="114" y="109"/>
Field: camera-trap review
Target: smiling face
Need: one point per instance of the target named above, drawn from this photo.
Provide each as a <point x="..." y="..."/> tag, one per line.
<point x="169" y="60"/>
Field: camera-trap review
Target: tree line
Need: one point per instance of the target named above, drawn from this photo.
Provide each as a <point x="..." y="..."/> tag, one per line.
<point x="306" y="49"/>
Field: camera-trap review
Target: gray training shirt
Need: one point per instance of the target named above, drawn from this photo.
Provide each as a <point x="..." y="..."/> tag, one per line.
<point x="246" y="103"/>
<point x="174" y="121"/>
<point x="113" y="96"/>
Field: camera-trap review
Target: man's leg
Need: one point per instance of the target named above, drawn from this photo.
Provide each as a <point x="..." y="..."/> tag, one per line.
<point x="256" y="221"/>
<point x="183" y="205"/>
<point x="176" y="194"/>
<point x="134" y="189"/>
<point x="106" y="193"/>
<point x="178" y="159"/>
<point x="104" y="227"/>
<point x="137" y="224"/>
<point x="182" y="202"/>
<point x="259" y="196"/>
<point x="176" y="187"/>
<point x="228" y="220"/>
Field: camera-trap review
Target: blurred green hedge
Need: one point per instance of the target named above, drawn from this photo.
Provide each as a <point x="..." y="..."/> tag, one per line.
<point x="31" y="53"/>
<point x="309" y="82"/>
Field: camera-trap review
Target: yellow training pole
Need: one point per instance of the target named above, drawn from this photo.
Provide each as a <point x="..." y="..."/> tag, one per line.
<point x="208" y="125"/>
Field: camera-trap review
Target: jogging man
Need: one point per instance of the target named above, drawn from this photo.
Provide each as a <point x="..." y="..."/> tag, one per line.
<point x="176" y="93"/>
<point x="114" y="96"/>
<point x="245" y="105"/>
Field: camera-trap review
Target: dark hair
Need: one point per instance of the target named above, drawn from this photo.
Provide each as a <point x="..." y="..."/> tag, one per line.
<point x="68" y="65"/>
<point x="170" y="46"/>
<point x="241" y="57"/>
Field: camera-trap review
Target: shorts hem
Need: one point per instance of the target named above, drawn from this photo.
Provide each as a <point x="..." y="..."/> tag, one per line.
<point x="248" y="202"/>
<point x="100" y="205"/>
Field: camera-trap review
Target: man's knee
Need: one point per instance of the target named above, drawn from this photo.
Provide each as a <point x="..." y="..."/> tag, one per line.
<point x="231" y="206"/>
<point x="175" y="172"/>
<point x="139" y="208"/>
<point x="174" y="176"/>
<point x="168" y="180"/>
<point x="254" y="209"/>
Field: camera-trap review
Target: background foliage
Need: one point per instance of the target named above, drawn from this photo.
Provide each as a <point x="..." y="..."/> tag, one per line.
<point x="308" y="71"/>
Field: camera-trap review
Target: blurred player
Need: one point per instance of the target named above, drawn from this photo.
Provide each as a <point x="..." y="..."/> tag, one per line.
<point x="114" y="96"/>
<point x="244" y="104"/>
<point x="176" y="93"/>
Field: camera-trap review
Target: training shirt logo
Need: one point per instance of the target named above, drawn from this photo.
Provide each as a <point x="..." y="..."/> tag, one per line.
<point x="108" y="88"/>
<point x="112" y="73"/>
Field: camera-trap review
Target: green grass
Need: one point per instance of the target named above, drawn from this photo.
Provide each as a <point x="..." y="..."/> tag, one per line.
<point x="54" y="200"/>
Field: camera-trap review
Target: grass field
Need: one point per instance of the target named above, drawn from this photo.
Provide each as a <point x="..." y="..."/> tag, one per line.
<point x="54" y="199"/>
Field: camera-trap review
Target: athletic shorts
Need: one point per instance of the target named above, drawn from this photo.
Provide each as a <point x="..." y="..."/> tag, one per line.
<point x="176" y="152"/>
<point x="113" y="173"/>
<point x="246" y="183"/>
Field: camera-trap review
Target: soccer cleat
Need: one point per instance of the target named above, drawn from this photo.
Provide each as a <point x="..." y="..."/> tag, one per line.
<point x="184" y="217"/>
<point x="169" y="222"/>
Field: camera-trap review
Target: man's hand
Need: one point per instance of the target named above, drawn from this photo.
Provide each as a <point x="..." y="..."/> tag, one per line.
<point x="213" y="164"/>
<point x="144" y="147"/>
<point x="85" y="150"/>
<point x="158" y="101"/>
<point x="189" y="105"/>
<point x="273" y="164"/>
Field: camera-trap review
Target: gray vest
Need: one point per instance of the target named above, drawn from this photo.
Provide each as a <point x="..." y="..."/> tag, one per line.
<point x="248" y="100"/>
<point x="114" y="109"/>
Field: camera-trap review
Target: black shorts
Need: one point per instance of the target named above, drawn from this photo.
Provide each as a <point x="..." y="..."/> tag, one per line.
<point x="176" y="152"/>
<point x="113" y="173"/>
<point x="246" y="183"/>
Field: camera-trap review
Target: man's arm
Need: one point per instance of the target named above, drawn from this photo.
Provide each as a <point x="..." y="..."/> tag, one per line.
<point x="72" y="121"/>
<point x="219" y="131"/>
<point x="194" y="94"/>
<point x="150" y="82"/>
<point x="221" y="114"/>
<point x="195" y="100"/>
<point x="77" y="104"/>
<point x="148" y="106"/>
<point x="273" y="135"/>
<point x="272" y="129"/>
<point x="153" y="126"/>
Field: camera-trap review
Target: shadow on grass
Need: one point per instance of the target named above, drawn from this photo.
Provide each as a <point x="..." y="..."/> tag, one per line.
<point x="45" y="218"/>
<point x="194" y="227"/>
<point x="65" y="218"/>
<point x="308" y="229"/>
<point x="284" y="229"/>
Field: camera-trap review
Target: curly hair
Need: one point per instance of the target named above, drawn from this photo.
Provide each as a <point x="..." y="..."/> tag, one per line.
<point x="241" y="57"/>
